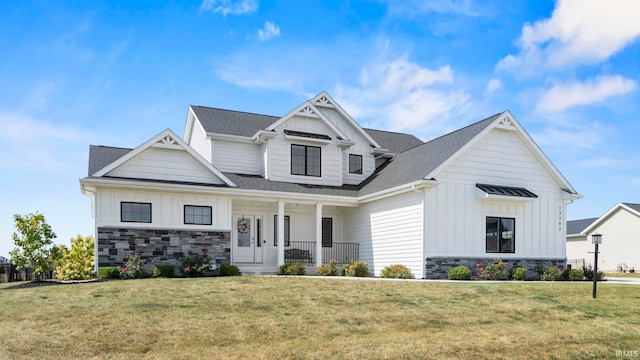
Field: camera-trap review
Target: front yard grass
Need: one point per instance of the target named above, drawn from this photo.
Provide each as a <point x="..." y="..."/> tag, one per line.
<point x="290" y="317"/>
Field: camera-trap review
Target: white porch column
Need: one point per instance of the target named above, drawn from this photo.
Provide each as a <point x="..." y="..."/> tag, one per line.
<point x="318" y="234"/>
<point x="280" y="233"/>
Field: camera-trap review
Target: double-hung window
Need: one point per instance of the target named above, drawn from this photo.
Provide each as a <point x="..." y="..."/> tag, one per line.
<point x="355" y="164"/>
<point x="197" y="215"/>
<point x="305" y="160"/>
<point x="135" y="212"/>
<point x="501" y="235"/>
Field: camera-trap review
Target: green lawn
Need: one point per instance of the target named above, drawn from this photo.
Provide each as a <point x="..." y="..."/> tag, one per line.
<point x="290" y="317"/>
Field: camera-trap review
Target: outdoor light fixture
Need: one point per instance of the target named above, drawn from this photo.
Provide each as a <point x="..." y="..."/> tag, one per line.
<point x="596" y="239"/>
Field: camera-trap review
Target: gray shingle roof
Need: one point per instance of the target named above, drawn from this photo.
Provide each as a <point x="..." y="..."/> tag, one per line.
<point x="393" y="141"/>
<point x="575" y="227"/>
<point x="101" y="156"/>
<point x="635" y="207"/>
<point x="219" y="121"/>
<point x="418" y="162"/>
<point x="414" y="160"/>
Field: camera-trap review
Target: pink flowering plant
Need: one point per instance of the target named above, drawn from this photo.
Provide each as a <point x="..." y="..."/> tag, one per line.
<point x="356" y="269"/>
<point x="196" y="265"/>
<point x="494" y="270"/>
<point x="133" y="267"/>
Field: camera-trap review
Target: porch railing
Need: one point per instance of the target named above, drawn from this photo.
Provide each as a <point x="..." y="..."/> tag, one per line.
<point x="342" y="252"/>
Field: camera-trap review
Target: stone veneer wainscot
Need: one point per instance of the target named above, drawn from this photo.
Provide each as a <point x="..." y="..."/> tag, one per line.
<point x="161" y="247"/>
<point x="437" y="268"/>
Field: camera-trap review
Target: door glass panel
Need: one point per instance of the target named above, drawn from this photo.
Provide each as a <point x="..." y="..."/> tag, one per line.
<point x="244" y="232"/>
<point x="258" y="233"/>
<point x="492" y="234"/>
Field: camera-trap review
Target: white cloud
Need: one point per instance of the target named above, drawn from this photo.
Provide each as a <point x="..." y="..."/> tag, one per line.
<point x="445" y="7"/>
<point x="601" y="162"/>
<point x="270" y="30"/>
<point x="232" y="7"/>
<point x="578" y="31"/>
<point x="493" y="85"/>
<point x="564" y="96"/>
<point x="31" y="144"/>
<point x="401" y="95"/>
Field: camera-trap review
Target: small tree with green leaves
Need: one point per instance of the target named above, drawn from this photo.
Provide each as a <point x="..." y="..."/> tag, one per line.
<point x="76" y="262"/>
<point x="35" y="250"/>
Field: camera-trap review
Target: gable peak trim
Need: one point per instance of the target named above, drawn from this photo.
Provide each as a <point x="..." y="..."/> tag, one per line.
<point x="308" y="111"/>
<point x="507" y="123"/>
<point x="323" y="100"/>
<point x="168" y="142"/>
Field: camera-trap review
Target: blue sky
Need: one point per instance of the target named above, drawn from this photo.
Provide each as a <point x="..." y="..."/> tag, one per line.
<point x="119" y="72"/>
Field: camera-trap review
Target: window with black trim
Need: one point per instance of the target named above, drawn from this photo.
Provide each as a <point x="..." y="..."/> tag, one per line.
<point x="135" y="212"/>
<point x="287" y="230"/>
<point x="355" y="164"/>
<point x="327" y="232"/>
<point x="305" y="160"/>
<point x="197" y="215"/>
<point x="501" y="235"/>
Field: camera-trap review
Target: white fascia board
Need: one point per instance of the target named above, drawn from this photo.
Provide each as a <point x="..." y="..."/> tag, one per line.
<point x="572" y="236"/>
<point x="233" y="138"/>
<point x="264" y="135"/>
<point x="296" y="111"/>
<point x="330" y="200"/>
<point x="604" y="217"/>
<point x="412" y="186"/>
<point x="188" y="128"/>
<point x="567" y="196"/>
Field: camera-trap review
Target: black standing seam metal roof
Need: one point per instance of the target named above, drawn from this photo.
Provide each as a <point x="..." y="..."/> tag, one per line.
<point x="412" y="164"/>
<point x="506" y="190"/>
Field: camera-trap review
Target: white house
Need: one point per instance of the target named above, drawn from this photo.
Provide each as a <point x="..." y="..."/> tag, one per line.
<point x="258" y="191"/>
<point x="620" y="230"/>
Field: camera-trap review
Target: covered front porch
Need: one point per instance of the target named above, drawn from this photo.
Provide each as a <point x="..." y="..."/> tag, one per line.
<point x="267" y="234"/>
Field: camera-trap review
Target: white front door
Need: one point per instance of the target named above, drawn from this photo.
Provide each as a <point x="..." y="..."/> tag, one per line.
<point x="247" y="242"/>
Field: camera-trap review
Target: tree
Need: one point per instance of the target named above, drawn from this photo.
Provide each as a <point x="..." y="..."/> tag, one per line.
<point x="35" y="250"/>
<point x="76" y="262"/>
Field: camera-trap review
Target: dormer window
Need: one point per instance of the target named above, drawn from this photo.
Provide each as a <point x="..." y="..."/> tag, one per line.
<point x="305" y="160"/>
<point x="355" y="164"/>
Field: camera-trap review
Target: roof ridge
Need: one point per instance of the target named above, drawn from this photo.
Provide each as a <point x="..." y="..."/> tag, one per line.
<point x="391" y="132"/>
<point x="236" y="111"/>
<point x="463" y="128"/>
<point x="585" y="219"/>
<point x="112" y="147"/>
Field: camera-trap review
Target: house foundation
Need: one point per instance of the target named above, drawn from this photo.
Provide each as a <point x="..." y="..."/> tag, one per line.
<point x="437" y="267"/>
<point x="161" y="247"/>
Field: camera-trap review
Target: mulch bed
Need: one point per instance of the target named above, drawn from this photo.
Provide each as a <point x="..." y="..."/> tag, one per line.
<point x="33" y="284"/>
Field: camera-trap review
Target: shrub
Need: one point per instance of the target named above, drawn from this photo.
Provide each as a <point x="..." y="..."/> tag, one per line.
<point x="109" y="273"/>
<point x="292" y="269"/>
<point x="229" y="270"/>
<point x="328" y="269"/>
<point x="495" y="270"/>
<point x="133" y="267"/>
<point x="196" y="265"/>
<point x="588" y="274"/>
<point x="76" y="262"/>
<point x="551" y="273"/>
<point x="459" y="273"/>
<point x="396" y="271"/>
<point x="518" y="273"/>
<point x="168" y="271"/>
<point x="573" y="274"/>
<point x="356" y="269"/>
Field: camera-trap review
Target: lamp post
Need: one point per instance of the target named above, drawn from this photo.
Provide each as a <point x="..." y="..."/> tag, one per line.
<point x="596" y="239"/>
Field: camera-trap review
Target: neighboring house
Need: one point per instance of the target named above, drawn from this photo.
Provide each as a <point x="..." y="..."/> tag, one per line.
<point x="620" y="230"/>
<point x="259" y="191"/>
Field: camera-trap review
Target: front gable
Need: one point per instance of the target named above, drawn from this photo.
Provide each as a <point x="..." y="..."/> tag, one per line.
<point x="165" y="157"/>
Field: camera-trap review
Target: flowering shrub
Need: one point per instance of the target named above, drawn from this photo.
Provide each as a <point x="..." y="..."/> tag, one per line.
<point x="196" y="265"/>
<point x="76" y="262"/>
<point x="133" y="267"/>
<point x="328" y="269"/>
<point x="459" y="273"/>
<point x="495" y="270"/>
<point x="292" y="269"/>
<point x="396" y="271"/>
<point x="551" y="273"/>
<point x="518" y="273"/>
<point x="356" y="269"/>
<point x="588" y="274"/>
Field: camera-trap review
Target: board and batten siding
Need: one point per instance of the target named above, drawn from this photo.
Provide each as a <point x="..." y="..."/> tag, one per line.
<point x="165" y="164"/>
<point x="280" y="154"/>
<point x="456" y="219"/>
<point x="199" y="142"/>
<point x="237" y="158"/>
<point x="361" y="147"/>
<point x="167" y="209"/>
<point x="389" y="231"/>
